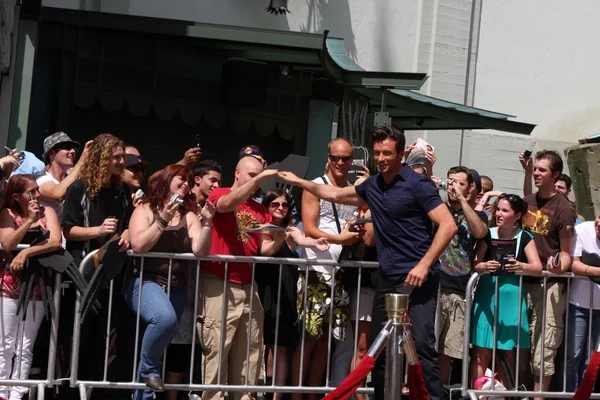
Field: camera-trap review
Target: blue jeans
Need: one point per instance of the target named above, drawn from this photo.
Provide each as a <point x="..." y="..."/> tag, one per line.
<point x="577" y="346"/>
<point x="159" y="314"/>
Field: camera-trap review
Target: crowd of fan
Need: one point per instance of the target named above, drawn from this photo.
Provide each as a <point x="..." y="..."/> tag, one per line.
<point x="85" y="204"/>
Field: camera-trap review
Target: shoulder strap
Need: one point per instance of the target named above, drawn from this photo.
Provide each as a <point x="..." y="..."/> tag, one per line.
<point x="85" y="208"/>
<point x="335" y="213"/>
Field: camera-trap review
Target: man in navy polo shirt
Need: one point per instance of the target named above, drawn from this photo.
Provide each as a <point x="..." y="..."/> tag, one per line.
<point x="405" y="208"/>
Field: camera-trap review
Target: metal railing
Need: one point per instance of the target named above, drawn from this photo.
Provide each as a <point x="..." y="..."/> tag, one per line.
<point x="85" y="386"/>
<point x="37" y="385"/>
<point x="546" y="280"/>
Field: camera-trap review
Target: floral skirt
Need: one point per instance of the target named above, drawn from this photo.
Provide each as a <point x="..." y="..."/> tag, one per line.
<point x="316" y="313"/>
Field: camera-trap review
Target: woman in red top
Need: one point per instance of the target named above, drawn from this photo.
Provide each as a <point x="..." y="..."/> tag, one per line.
<point x="20" y="215"/>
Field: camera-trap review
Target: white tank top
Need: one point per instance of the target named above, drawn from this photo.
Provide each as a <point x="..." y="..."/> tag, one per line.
<point x="326" y="222"/>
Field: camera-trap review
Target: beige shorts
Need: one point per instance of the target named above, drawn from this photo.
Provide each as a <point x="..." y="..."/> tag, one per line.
<point x="556" y="304"/>
<point x="451" y="324"/>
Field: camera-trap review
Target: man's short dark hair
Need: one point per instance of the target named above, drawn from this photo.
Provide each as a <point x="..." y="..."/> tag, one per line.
<point x="489" y="179"/>
<point x="204" y="167"/>
<point x="464" y="170"/>
<point x="394" y="133"/>
<point x="566" y="179"/>
<point x="556" y="162"/>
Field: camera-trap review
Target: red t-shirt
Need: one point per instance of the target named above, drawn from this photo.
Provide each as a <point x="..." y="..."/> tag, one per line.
<point x="226" y="239"/>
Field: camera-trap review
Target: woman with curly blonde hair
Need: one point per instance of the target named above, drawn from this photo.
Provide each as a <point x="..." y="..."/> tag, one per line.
<point x="97" y="208"/>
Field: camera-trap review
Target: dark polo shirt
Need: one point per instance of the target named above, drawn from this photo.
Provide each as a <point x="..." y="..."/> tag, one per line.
<point x="403" y="231"/>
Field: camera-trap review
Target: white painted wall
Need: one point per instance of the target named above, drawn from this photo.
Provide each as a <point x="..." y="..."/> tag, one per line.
<point x="536" y="59"/>
<point x="539" y="59"/>
<point x="379" y="35"/>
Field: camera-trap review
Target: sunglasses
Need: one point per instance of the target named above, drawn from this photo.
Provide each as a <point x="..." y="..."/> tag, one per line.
<point x="276" y="204"/>
<point x="335" y="159"/>
<point x="137" y="169"/>
<point x="64" y="146"/>
<point x="509" y="197"/>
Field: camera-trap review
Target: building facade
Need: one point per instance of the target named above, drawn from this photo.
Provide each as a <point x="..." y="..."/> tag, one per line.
<point x="75" y="71"/>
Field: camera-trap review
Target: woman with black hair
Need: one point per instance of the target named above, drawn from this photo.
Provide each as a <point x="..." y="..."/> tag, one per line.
<point x="268" y="280"/>
<point x="505" y="227"/>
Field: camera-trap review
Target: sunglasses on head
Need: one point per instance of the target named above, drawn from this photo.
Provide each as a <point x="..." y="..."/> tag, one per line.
<point x="65" y="146"/>
<point x="509" y="197"/>
<point x="137" y="169"/>
<point x="276" y="204"/>
<point x="338" y="158"/>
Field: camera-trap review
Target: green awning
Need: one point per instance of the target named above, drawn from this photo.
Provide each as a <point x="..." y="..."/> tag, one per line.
<point x="415" y="111"/>
<point x="310" y="52"/>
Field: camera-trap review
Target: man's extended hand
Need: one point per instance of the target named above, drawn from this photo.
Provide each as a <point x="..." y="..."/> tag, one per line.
<point x="289" y="177"/>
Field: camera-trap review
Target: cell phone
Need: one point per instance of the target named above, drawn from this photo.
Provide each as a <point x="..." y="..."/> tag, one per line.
<point x="198" y="140"/>
<point x="31" y="196"/>
<point x="527" y="153"/>
<point x="363" y="221"/>
<point x="140" y="193"/>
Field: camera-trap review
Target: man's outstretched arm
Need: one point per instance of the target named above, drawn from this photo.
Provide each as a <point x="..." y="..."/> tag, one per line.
<point x="345" y="195"/>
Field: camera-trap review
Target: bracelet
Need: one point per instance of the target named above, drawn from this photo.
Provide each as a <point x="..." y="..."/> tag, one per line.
<point x="482" y="203"/>
<point x="207" y="225"/>
<point x="586" y="268"/>
<point x="161" y="227"/>
<point x="161" y="220"/>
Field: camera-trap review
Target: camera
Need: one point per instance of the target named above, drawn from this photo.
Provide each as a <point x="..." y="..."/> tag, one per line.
<point x="527" y="153"/>
<point x="443" y="183"/>
<point x="175" y="199"/>
<point x="140" y="193"/>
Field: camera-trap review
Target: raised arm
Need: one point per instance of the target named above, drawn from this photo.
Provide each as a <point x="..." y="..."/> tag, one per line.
<point x="10" y="236"/>
<point x="232" y="200"/>
<point x="446" y="229"/>
<point x="57" y="192"/>
<point x="476" y="226"/>
<point x="145" y="230"/>
<point x="201" y="230"/>
<point x="527" y="164"/>
<point x="345" y="195"/>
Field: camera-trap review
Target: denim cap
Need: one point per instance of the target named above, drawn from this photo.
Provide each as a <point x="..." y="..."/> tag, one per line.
<point x="477" y="179"/>
<point x="53" y="140"/>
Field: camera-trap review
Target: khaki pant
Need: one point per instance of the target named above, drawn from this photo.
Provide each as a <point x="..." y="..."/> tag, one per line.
<point x="451" y="325"/>
<point x="556" y="304"/>
<point x="239" y="331"/>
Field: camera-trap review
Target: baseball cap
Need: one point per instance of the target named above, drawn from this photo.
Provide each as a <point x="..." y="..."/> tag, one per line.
<point x="132" y="159"/>
<point x="53" y="140"/>
<point x="252" y="151"/>
<point x="477" y="179"/>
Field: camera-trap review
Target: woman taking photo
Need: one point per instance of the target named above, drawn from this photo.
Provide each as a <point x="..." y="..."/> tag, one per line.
<point x="164" y="224"/>
<point x="268" y="280"/>
<point x="506" y="225"/>
<point x="21" y="214"/>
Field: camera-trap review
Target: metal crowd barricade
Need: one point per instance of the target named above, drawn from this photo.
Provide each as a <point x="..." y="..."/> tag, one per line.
<point x="85" y="386"/>
<point x="38" y="385"/>
<point x="546" y="279"/>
